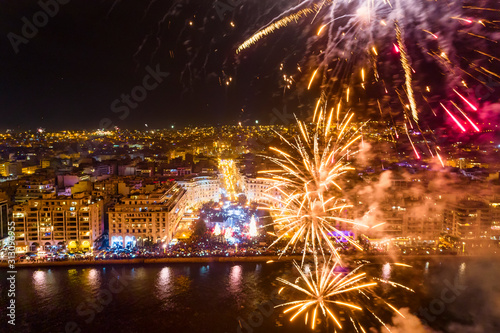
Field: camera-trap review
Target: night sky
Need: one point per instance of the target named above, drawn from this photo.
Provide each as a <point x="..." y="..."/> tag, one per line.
<point x="69" y="74"/>
<point x="85" y="57"/>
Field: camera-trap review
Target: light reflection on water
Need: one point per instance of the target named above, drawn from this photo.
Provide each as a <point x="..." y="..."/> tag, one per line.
<point x="72" y="273"/>
<point x="40" y="283"/>
<point x="140" y="273"/>
<point x="94" y="279"/>
<point x="167" y="298"/>
<point x="204" y="270"/>
<point x="461" y="273"/>
<point x="164" y="277"/>
<point x="235" y="279"/>
<point x="45" y="286"/>
<point x="163" y="286"/>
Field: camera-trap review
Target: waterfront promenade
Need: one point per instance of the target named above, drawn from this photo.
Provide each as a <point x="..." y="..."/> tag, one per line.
<point x="236" y="259"/>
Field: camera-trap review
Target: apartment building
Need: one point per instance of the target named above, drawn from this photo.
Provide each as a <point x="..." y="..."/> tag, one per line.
<point x="4" y="218"/>
<point x="468" y="219"/>
<point x="74" y="222"/>
<point x="34" y="188"/>
<point x="151" y="215"/>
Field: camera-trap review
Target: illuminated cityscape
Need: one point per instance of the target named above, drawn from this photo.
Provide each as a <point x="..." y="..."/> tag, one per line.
<point x="250" y="166"/>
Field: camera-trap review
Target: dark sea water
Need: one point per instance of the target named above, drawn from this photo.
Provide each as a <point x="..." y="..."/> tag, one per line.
<point x="451" y="295"/>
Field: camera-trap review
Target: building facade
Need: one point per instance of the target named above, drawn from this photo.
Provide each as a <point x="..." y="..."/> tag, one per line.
<point x="10" y="169"/>
<point x="147" y="216"/>
<point x="260" y="190"/>
<point x="201" y="189"/>
<point x="4" y="218"/>
<point x="74" y="222"/>
<point x="468" y="219"/>
<point x="495" y="218"/>
<point x="34" y="189"/>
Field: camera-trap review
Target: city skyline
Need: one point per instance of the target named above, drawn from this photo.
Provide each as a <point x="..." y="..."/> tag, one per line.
<point x="90" y="163"/>
<point x="250" y="165"/>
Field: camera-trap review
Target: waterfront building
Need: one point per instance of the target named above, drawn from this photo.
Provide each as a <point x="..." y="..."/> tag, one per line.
<point x="147" y="215"/>
<point x="4" y="218"/>
<point x="495" y="218"/>
<point x="73" y="222"/>
<point x="468" y="219"/>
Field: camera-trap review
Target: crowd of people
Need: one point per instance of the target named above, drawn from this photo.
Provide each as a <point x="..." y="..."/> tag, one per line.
<point x="180" y="250"/>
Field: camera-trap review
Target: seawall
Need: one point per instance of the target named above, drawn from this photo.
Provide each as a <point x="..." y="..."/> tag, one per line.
<point x="261" y="259"/>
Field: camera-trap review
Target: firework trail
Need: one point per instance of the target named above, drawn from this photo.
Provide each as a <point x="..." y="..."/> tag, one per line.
<point x="338" y="39"/>
<point x="295" y="17"/>
<point x="328" y="293"/>
<point x="310" y="209"/>
<point x="406" y="66"/>
<point x="307" y="213"/>
<point x="343" y="36"/>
